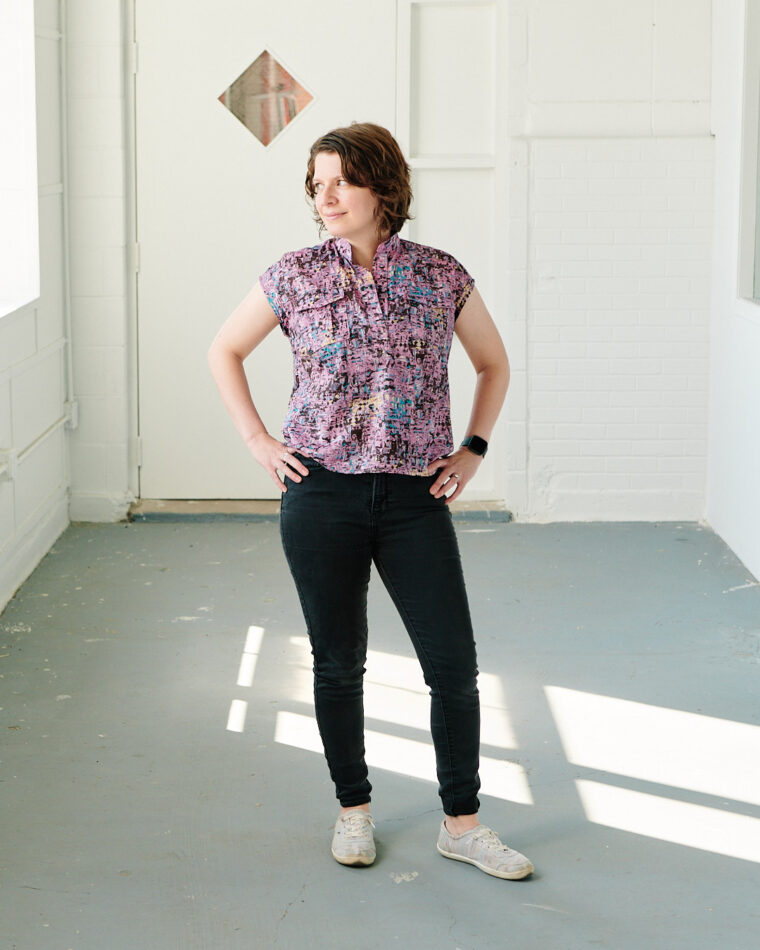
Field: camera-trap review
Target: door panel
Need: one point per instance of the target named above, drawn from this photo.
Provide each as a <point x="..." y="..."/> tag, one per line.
<point x="215" y="207"/>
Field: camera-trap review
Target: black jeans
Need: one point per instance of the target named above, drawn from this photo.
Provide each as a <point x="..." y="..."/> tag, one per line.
<point x="333" y="526"/>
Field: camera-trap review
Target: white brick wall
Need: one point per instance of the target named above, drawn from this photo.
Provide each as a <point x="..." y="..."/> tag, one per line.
<point x="33" y="462"/>
<point x="608" y="263"/>
<point x="733" y="506"/>
<point x="100" y="281"/>
<point x="619" y="257"/>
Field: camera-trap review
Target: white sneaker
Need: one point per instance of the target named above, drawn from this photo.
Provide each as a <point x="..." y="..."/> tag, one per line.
<point x="481" y="846"/>
<point x="352" y="843"/>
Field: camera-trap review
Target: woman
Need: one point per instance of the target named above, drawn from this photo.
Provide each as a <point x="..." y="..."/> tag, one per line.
<point x="367" y="467"/>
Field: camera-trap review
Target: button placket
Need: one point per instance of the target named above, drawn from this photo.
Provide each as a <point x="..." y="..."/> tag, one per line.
<point x="372" y="314"/>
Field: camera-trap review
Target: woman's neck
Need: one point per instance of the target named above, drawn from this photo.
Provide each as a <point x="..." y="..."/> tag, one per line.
<point x="363" y="254"/>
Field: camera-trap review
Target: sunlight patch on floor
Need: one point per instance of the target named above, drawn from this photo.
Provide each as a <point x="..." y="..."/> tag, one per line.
<point x="237" y="714"/>
<point x="395" y="691"/>
<point x="696" y="826"/>
<point x="668" y="746"/>
<point x="499" y="778"/>
<point x="250" y="655"/>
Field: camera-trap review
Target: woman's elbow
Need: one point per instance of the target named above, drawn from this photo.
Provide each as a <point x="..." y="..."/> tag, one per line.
<point x="217" y="353"/>
<point x="496" y="366"/>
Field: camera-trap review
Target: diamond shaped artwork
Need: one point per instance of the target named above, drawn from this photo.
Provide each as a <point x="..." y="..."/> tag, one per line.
<point x="265" y="98"/>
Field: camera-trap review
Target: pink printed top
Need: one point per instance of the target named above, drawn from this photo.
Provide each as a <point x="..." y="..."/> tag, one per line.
<point x="370" y="352"/>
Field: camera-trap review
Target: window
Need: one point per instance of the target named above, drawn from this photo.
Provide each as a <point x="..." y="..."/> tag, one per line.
<point x="19" y="222"/>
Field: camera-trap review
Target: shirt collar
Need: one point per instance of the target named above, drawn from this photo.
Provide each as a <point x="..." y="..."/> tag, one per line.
<point x="384" y="253"/>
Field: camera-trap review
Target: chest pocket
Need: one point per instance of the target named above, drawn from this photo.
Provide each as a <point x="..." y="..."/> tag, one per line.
<point x="319" y="328"/>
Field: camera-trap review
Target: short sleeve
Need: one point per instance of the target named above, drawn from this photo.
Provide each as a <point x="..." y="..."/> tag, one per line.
<point x="274" y="283"/>
<point x="461" y="283"/>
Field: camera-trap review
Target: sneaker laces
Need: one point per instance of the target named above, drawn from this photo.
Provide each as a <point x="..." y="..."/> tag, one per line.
<point x="355" y="824"/>
<point x="491" y="840"/>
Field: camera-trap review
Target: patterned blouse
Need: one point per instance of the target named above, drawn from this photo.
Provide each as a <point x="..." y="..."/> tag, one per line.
<point x="370" y="352"/>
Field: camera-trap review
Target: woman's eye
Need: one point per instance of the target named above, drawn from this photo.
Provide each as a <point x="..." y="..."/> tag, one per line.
<point x="317" y="185"/>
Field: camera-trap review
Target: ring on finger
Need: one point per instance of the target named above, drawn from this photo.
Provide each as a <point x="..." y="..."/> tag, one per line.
<point x="455" y="475"/>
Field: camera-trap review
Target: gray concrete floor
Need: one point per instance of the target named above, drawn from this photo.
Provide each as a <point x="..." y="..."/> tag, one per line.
<point x="133" y="817"/>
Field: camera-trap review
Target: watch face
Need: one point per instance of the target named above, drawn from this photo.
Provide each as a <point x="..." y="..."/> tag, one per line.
<point x="475" y="444"/>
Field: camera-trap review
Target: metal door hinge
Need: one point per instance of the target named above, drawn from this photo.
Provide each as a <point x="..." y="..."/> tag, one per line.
<point x="72" y="414"/>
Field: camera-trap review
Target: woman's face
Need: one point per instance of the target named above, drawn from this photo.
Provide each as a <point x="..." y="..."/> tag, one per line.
<point x="348" y="211"/>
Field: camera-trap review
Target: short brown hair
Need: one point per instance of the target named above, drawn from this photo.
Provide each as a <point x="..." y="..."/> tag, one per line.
<point x="371" y="158"/>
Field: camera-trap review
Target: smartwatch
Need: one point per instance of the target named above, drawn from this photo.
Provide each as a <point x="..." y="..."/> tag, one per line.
<point x="475" y="444"/>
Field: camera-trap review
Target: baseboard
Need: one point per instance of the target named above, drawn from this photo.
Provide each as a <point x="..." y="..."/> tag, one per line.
<point x="233" y="509"/>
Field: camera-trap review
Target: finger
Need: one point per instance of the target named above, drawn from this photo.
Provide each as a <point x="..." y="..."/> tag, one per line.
<point x="277" y="480"/>
<point x="294" y="463"/>
<point x="439" y="485"/>
<point x="443" y="483"/>
<point x="449" y="498"/>
<point x="281" y="464"/>
<point x="442" y="477"/>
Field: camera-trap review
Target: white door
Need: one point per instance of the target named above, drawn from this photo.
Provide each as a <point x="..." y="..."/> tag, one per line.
<point x="215" y="206"/>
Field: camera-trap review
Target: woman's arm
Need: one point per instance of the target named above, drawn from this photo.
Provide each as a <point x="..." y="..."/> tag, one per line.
<point x="481" y="340"/>
<point x="242" y="332"/>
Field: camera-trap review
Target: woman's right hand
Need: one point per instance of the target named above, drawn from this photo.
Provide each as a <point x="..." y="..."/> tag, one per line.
<point x="276" y="457"/>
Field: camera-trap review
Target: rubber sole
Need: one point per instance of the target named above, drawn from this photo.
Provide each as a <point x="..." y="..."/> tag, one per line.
<point x="354" y="860"/>
<point x="517" y="875"/>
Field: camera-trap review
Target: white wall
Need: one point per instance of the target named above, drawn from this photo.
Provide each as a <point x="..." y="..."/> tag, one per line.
<point x="609" y="220"/>
<point x="733" y="499"/>
<point x="102" y="280"/>
<point x="609" y="216"/>
<point x="610" y="232"/>
<point x="33" y="363"/>
<point x="620" y="248"/>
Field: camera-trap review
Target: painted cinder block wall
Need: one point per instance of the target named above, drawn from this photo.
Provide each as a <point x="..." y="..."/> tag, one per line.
<point x="34" y="360"/>
<point x="610" y="226"/>
<point x="611" y="231"/>
<point x="103" y="477"/>
<point x="618" y="327"/>
<point x="65" y="359"/>
<point x="733" y="495"/>
<point x="607" y="418"/>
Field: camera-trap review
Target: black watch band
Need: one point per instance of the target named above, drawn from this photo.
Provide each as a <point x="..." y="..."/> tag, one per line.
<point x="475" y="444"/>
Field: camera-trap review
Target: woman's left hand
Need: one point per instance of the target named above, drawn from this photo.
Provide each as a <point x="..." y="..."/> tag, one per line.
<point x="454" y="471"/>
